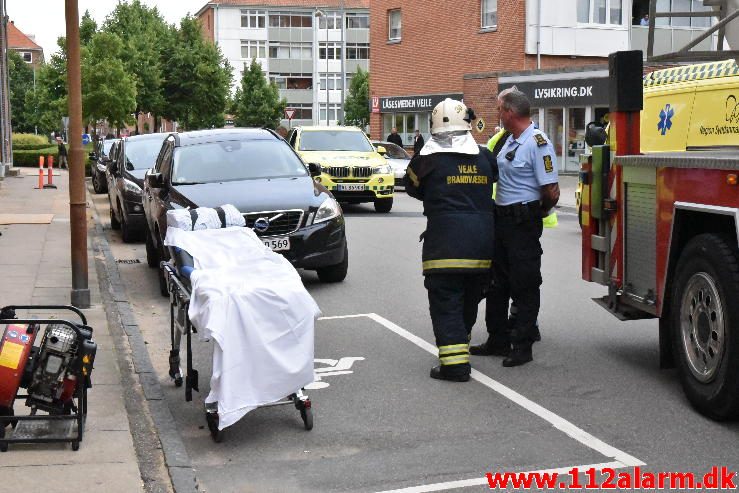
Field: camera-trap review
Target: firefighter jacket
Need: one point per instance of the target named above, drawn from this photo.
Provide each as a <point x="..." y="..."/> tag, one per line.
<point x="456" y="190"/>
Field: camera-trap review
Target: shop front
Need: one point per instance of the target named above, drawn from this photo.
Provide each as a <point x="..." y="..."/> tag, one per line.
<point x="407" y="114"/>
<point x="562" y="104"/>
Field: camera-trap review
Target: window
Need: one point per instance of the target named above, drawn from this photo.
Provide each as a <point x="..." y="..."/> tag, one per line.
<point x="253" y="19"/>
<point x="683" y="6"/>
<point x="334" y="81"/>
<point x="357" y="51"/>
<point x="332" y="50"/>
<point x="357" y="21"/>
<point x="294" y="51"/>
<point x="489" y="13"/>
<point x="333" y="112"/>
<point x="600" y="12"/>
<point x="253" y="49"/>
<point x="303" y="111"/>
<point x="290" y="19"/>
<point x="394" y="25"/>
<point x="27" y="56"/>
<point x="292" y="81"/>
<point x="330" y="19"/>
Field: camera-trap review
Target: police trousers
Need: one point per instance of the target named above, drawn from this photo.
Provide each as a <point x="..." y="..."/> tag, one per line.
<point x="516" y="276"/>
<point x="453" y="302"/>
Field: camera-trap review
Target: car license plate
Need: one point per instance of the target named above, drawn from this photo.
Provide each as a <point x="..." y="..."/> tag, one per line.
<point x="277" y="244"/>
<point x="351" y="187"/>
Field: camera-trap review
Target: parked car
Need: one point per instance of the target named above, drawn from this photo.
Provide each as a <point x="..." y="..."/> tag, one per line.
<point x="125" y="175"/>
<point x="256" y="171"/>
<point x="100" y="158"/>
<point x="396" y="157"/>
<point x="353" y="170"/>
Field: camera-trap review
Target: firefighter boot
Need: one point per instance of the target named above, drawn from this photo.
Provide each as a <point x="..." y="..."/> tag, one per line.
<point x="438" y="373"/>
<point x="491" y="348"/>
<point x="520" y="355"/>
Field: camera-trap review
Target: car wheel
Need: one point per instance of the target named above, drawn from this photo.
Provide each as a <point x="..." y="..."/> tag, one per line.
<point x="704" y="317"/>
<point x="163" y="288"/>
<point x="114" y="223"/>
<point x="383" y="205"/>
<point x="96" y="186"/>
<point x="152" y="254"/>
<point x="128" y="234"/>
<point x="335" y="273"/>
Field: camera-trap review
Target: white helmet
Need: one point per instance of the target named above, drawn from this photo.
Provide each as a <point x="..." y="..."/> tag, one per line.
<point x="451" y="116"/>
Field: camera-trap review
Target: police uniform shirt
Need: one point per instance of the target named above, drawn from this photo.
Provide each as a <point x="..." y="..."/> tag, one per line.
<point x="532" y="164"/>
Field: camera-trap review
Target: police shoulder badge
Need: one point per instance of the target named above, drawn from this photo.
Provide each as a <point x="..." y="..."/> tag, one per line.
<point x="548" y="167"/>
<point x="540" y="140"/>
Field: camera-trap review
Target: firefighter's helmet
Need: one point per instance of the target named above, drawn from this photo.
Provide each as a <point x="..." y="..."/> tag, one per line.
<point x="451" y="116"/>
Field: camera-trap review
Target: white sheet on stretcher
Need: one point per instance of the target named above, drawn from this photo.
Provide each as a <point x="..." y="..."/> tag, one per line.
<point x="252" y="302"/>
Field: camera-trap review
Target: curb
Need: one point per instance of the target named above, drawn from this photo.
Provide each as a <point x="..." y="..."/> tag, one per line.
<point x="143" y="396"/>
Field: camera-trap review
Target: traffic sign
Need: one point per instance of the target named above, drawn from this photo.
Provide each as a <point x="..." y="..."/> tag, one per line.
<point x="289" y="113"/>
<point x="480" y="125"/>
<point x="85" y="139"/>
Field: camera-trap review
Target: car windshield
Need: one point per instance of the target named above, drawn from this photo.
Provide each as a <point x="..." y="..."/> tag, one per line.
<point x="107" y="145"/>
<point x="394" y="151"/>
<point x="141" y="154"/>
<point x="334" y="140"/>
<point x="235" y="160"/>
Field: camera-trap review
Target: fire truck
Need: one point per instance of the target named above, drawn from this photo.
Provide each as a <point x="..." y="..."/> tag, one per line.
<point x="660" y="218"/>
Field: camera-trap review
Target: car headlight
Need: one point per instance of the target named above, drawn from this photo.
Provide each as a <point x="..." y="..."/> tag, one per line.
<point x="131" y="187"/>
<point x="385" y="169"/>
<point x="329" y="209"/>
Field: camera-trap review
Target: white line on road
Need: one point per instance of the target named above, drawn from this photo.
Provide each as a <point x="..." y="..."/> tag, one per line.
<point x="621" y="458"/>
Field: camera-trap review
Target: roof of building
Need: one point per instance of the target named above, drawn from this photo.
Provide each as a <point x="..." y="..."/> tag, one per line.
<point x="320" y="4"/>
<point x="18" y="40"/>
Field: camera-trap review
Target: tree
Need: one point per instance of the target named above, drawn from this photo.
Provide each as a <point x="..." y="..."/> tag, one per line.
<point x="356" y="107"/>
<point x="49" y="97"/>
<point x="198" y="79"/>
<point x="88" y="28"/>
<point x="20" y="81"/>
<point x="257" y="102"/>
<point x="108" y="91"/>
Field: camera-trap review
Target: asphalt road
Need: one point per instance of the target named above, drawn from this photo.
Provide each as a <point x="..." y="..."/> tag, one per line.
<point x="593" y="395"/>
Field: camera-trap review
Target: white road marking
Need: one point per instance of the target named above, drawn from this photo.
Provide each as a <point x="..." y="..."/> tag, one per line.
<point x="621" y="458"/>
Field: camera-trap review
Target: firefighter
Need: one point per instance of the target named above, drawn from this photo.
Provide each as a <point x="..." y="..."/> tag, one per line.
<point x="527" y="192"/>
<point x="454" y="179"/>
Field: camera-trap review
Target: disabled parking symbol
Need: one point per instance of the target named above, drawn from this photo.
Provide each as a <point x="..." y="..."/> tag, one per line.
<point x="334" y="367"/>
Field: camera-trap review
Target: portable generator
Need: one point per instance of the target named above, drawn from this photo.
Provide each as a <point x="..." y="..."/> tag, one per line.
<point x="55" y="373"/>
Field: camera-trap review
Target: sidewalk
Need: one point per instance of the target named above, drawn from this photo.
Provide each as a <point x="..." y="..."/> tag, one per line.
<point x="35" y="269"/>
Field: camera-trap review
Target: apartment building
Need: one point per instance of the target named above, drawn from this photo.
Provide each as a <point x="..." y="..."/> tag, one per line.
<point x="554" y="50"/>
<point x="309" y="49"/>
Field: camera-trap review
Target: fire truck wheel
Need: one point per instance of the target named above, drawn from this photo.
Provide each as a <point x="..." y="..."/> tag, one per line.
<point x="705" y="325"/>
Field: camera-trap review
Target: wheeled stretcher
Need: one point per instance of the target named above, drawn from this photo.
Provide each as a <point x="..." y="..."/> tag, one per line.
<point x="180" y="273"/>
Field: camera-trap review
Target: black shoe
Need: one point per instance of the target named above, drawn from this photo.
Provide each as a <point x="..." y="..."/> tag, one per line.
<point x="438" y="373"/>
<point x="488" y="349"/>
<point x="520" y="355"/>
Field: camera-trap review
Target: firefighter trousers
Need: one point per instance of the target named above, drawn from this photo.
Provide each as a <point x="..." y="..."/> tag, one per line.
<point x="453" y="302"/>
<point x="516" y="276"/>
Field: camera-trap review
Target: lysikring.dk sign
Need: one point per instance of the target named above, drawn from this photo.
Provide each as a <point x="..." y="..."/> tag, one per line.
<point x="409" y="104"/>
<point x="572" y="92"/>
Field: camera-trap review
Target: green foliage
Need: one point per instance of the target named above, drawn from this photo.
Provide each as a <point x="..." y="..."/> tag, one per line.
<point x="197" y="80"/>
<point x="20" y="80"/>
<point x="88" y="28"/>
<point x="49" y="99"/>
<point x="30" y="157"/>
<point x="356" y="108"/>
<point x="257" y="102"/>
<point x="29" y="141"/>
<point x="108" y="91"/>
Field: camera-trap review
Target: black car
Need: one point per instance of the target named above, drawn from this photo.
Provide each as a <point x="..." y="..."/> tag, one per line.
<point x="262" y="176"/>
<point x="100" y="158"/>
<point x="134" y="157"/>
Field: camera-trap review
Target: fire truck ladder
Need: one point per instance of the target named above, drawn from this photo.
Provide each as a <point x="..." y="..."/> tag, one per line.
<point x="725" y="10"/>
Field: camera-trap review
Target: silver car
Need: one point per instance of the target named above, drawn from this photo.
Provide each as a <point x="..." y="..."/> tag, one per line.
<point x="396" y="157"/>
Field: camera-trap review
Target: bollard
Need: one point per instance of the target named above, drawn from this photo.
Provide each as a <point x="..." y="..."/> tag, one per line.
<point x="40" y="172"/>
<point x="50" y="167"/>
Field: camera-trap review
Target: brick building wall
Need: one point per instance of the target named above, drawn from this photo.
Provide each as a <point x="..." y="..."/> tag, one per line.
<point x="442" y="42"/>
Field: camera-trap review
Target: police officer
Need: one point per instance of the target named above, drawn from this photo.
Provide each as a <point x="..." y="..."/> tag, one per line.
<point x="527" y="191"/>
<point x="454" y="179"/>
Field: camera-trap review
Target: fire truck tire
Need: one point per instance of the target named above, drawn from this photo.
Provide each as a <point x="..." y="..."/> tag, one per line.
<point x="705" y="325"/>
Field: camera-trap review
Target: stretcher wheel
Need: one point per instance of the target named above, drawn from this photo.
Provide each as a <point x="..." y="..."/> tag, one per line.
<point x="75" y="446"/>
<point x="215" y="433"/>
<point x="307" y="416"/>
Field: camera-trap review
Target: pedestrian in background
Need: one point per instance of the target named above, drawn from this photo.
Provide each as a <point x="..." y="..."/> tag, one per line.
<point x="454" y="179"/>
<point x="527" y="191"/>
<point x="394" y="137"/>
<point x="282" y="132"/>
<point x="62" y="153"/>
<point x="417" y="142"/>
